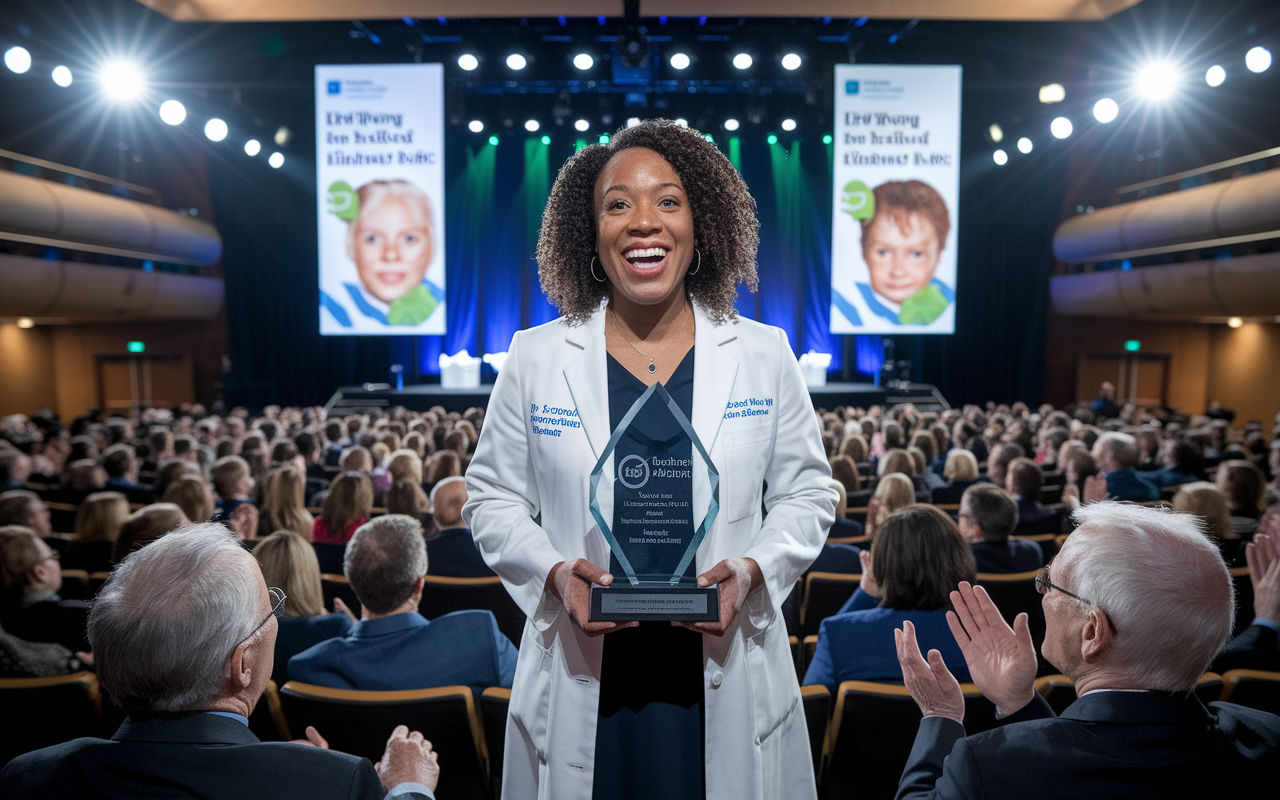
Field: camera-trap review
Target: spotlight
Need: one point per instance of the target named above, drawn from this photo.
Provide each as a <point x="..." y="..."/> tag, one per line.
<point x="172" y="112"/>
<point x="1052" y="93"/>
<point x="996" y="132"/>
<point x="121" y="81"/>
<point x="680" y="61"/>
<point x="1061" y="128"/>
<point x="773" y="138"/>
<point x="252" y="147"/>
<point x="216" y="130"/>
<point x="277" y="160"/>
<point x="1000" y="157"/>
<point x="475" y="126"/>
<point x="1024" y="145"/>
<point x="531" y="125"/>
<point x="516" y="61"/>
<point x="731" y="124"/>
<point x="18" y="60"/>
<point x="62" y="76"/>
<point x="582" y="125"/>
<point x="788" y="124"/>
<point x="493" y="140"/>
<point x="583" y="61"/>
<point x="682" y="122"/>
<point x="1215" y="75"/>
<point x="1106" y="110"/>
<point x="1258" y="59"/>
<point x="26" y="322"/>
<point x="791" y="61"/>
<point x="468" y="62"/>
<point x="283" y="136"/>
<point x="1236" y="322"/>
<point x="742" y="61"/>
<point x="1157" y="81"/>
<point x="546" y="140"/>
<point x="633" y="121"/>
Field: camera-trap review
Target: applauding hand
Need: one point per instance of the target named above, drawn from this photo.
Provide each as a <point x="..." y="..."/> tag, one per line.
<point x="931" y="684"/>
<point x="1002" y="660"/>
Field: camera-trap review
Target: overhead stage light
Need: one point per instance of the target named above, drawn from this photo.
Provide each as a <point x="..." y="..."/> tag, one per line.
<point x="283" y="136"/>
<point x="1258" y="59"/>
<point x="742" y="61"/>
<point x="581" y="125"/>
<point x="62" y="76"/>
<point x="121" y="80"/>
<point x="1000" y="157"/>
<point x="215" y="129"/>
<point x="730" y="124"/>
<point x="468" y="62"/>
<point x="1215" y="75"/>
<point x="276" y="160"/>
<point x="26" y="322"/>
<point x="475" y="126"/>
<point x="531" y="125"/>
<point x="679" y="61"/>
<point x="516" y="61"/>
<point x="1106" y="110"/>
<point x="1024" y="145"/>
<point x="1061" y="128"/>
<point x="252" y="147"/>
<point x="791" y="61"/>
<point x="1235" y="322"/>
<point x="583" y="61"/>
<point x="18" y="59"/>
<point x="788" y="124"/>
<point x="173" y="112"/>
<point x="996" y="132"/>
<point x="1053" y="93"/>
<point x="1157" y="81"/>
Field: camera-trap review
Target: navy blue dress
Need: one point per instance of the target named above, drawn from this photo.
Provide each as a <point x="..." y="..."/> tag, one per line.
<point x="649" y="732"/>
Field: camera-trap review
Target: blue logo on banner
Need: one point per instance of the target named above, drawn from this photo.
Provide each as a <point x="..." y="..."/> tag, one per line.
<point x="850" y="87"/>
<point x="335" y="87"/>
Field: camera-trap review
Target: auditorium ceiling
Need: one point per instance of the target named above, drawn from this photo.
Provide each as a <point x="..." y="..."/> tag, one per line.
<point x="297" y="10"/>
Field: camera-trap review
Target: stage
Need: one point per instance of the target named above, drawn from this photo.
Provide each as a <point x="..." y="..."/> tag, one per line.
<point x="377" y="397"/>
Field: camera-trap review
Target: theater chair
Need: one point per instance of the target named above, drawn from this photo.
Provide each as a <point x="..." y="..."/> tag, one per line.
<point x="1059" y="691"/>
<point x="1047" y="541"/>
<point x="817" y="715"/>
<point x="360" y="723"/>
<point x="493" y="713"/>
<point x="329" y="554"/>
<point x="824" y="594"/>
<point x="1253" y="688"/>
<point x="442" y="595"/>
<point x="39" y="712"/>
<point x="1244" y="598"/>
<point x="336" y="585"/>
<point x="267" y="719"/>
<point x="75" y="585"/>
<point x="791" y="609"/>
<point x="1015" y="593"/>
<point x="871" y="734"/>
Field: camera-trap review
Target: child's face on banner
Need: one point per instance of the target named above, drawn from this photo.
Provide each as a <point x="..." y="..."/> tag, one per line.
<point x="393" y="249"/>
<point x="900" y="262"/>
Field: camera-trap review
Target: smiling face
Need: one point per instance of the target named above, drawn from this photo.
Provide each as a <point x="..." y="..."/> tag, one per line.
<point x="392" y="246"/>
<point x="644" y="228"/>
<point x="901" y="261"/>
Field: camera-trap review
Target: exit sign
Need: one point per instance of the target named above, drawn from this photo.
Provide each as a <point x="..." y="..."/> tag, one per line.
<point x="1132" y="345"/>
<point x="136" y="347"/>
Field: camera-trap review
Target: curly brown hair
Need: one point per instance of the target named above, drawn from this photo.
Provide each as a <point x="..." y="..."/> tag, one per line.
<point x="725" y="228"/>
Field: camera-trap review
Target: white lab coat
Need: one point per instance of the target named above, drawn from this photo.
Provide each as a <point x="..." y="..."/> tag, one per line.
<point x="528" y="509"/>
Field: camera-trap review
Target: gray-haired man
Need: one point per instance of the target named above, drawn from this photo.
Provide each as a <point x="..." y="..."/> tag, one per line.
<point x="183" y="635"/>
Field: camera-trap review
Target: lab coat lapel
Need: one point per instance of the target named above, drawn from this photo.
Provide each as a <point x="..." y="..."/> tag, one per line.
<point x="588" y="382"/>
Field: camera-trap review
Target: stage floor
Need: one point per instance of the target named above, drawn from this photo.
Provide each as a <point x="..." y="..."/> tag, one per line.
<point x="354" y="399"/>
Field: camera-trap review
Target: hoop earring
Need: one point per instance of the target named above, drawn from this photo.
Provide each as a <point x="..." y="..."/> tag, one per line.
<point x="593" y="271"/>
<point x="695" y="269"/>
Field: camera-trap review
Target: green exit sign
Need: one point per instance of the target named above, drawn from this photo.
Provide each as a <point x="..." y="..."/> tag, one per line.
<point x="138" y="347"/>
<point x="1132" y="345"/>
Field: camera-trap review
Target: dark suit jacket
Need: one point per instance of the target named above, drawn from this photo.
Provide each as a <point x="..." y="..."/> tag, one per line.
<point x="1127" y="484"/>
<point x="199" y="755"/>
<point x="405" y="651"/>
<point x="1255" y="648"/>
<point x="1013" y="555"/>
<point x="1034" y="518"/>
<point x="50" y="620"/>
<point x="452" y="553"/>
<point x="1105" y="745"/>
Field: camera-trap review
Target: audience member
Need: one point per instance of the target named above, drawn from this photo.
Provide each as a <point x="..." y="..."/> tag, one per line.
<point x="1116" y="455"/>
<point x="893" y="492"/>
<point x="1002" y="455"/>
<point x="843" y="527"/>
<point x="21" y="507"/>
<point x="15" y="468"/>
<point x="22" y="659"/>
<point x="194" y="495"/>
<point x="1182" y="463"/>
<point x="169" y="471"/>
<point x="97" y="526"/>
<point x="960" y="472"/>
<point x="1256" y="647"/>
<point x="284" y="503"/>
<point x="916" y="557"/>
<point x="347" y="506"/>
<point x="1137" y="605"/>
<point x="1024" y="482"/>
<point x="233" y="484"/>
<point x="144" y="526"/>
<point x="289" y="562"/>
<point x="845" y="471"/>
<point x="30" y="607"/>
<point x="452" y="552"/>
<point x="121" y="465"/>
<point x="394" y="647"/>
<point x="839" y="557"/>
<point x="1105" y="404"/>
<point x="987" y="517"/>
<point x="184" y="633"/>
<point x="1245" y="488"/>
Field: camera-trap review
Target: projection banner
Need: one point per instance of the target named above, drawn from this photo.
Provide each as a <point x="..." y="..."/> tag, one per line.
<point x="380" y="179"/>
<point x="896" y="183"/>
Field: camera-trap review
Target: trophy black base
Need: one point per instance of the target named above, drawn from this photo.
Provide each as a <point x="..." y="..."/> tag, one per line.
<point x="654" y="601"/>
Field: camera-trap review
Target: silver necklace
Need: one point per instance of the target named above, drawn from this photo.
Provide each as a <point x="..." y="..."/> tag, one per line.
<point x="652" y="366"/>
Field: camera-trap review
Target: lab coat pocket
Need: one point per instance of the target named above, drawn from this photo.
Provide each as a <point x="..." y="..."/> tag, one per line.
<point x="746" y="453"/>
<point x="773" y="697"/>
<point x="531" y="696"/>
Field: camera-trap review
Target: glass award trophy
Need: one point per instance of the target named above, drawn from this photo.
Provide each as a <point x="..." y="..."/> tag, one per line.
<point x="656" y="530"/>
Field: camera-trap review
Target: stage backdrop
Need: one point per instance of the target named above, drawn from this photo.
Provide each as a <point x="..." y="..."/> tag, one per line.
<point x="896" y="185"/>
<point x="380" y="181"/>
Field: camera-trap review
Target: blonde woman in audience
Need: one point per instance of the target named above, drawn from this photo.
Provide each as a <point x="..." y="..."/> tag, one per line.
<point x="145" y="525"/>
<point x="347" y="506"/>
<point x="1245" y="488"/>
<point x="405" y="465"/>
<point x="1207" y="502"/>
<point x="285" y="505"/>
<point x="894" y="491"/>
<point x="193" y="495"/>
<point x="289" y="563"/>
<point x="855" y="447"/>
<point x="960" y="472"/>
<point x="897" y="460"/>
<point x="97" y="526"/>
<point x="441" y="465"/>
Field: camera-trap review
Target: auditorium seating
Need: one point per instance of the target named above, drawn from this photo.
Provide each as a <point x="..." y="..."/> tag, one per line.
<point x="332" y="586"/>
<point x="360" y="723"/>
<point x="1253" y="688"/>
<point x="493" y="715"/>
<point x="39" y="712"/>
<point x="824" y="594"/>
<point x="817" y="714"/>
<point x="1013" y="594"/>
<point x="441" y="595"/>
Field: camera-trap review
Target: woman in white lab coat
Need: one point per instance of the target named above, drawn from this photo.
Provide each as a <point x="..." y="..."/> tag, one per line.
<point x="642" y="244"/>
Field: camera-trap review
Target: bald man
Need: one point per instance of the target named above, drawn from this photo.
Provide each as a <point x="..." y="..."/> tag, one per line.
<point x="452" y="553"/>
